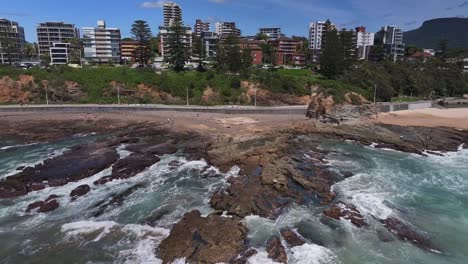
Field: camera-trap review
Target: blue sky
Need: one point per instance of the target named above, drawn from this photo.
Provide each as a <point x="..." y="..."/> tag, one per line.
<point x="292" y="15"/>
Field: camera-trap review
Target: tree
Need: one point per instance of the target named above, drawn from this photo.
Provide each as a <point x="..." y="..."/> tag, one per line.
<point x="349" y="43"/>
<point x="198" y="51"/>
<point x="29" y="51"/>
<point x="179" y="49"/>
<point x="142" y="33"/>
<point x="233" y="53"/>
<point x="332" y="62"/>
<point x="261" y="36"/>
<point x="75" y="50"/>
<point x="442" y="48"/>
<point x="410" y="50"/>
<point x="246" y="61"/>
<point x="269" y="53"/>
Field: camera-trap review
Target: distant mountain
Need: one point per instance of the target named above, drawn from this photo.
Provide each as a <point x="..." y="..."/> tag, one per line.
<point x="429" y="35"/>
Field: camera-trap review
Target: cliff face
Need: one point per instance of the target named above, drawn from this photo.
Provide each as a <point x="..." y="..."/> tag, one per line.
<point x="454" y="30"/>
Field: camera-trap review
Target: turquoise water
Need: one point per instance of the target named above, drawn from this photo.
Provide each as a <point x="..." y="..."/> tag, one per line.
<point x="431" y="193"/>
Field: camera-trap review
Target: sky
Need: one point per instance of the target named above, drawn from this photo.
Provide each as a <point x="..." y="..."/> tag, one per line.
<point x="293" y="16"/>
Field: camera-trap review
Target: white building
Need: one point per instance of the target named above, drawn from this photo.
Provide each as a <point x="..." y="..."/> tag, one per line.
<point x="271" y="33"/>
<point x="225" y="29"/>
<point x="392" y="39"/>
<point x="315" y="38"/>
<point x="365" y="40"/>
<point x="102" y="44"/>
<point x="59" y="53"/>
<point x="172" y="12"/>
<point x="465" y="65"/>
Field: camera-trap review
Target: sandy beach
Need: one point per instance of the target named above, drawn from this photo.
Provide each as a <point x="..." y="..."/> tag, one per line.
<point x="456" y="118"/>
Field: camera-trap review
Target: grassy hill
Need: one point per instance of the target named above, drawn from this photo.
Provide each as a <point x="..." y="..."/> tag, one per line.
<point x="454" y="30"/>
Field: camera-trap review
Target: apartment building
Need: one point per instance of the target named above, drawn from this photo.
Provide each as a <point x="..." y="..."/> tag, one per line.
<point x="172" y="12"/>
<point x="392" y="39"/>
<point x="254" y="46"/>
<point x="59" y="53"/>
<point x="226" y="29"/>
<point x="201" y="27"/>
<point x="271" y="33"/>
<point x="365" y="40"/>
<point x="49" y="33"/>
<point x="464" y="65"/>
<point x="315" y="39"/>
<point x="11" y="41"/>
<point x="289" y="51"/>
<point x="165" y="39"/>
<point x="128" y="49"/>
<point x="102" y="44"/>
<point x="210" y="41"/>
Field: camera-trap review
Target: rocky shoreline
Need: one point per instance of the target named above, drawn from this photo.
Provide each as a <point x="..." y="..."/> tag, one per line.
<point x="277" y="169"/>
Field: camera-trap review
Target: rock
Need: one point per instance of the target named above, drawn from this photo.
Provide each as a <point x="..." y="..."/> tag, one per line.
<point x="12" y="189"/>
<point x="292" y="238"/>
<point x="20" y="168"/>
<point x="159" y="149"/>
<point x="406" y="232"/>
<point x="346" y="211"/>
<point x="132" y="165"/>
<point x="276" y="250"/>
<point x="58" y="182"/>
<point x="75" y="164"/>
<point x="49" y="206"/>
<point x="34" y="206"/>
<point x="103" y="180"/>
<point x="80" y="191"/>
<point x="116" y="199"/>
<point x="37" y="186"/>
<point x="244" y="257"/>
<point x="213" y="239"/>
<point x="347" y="174"/>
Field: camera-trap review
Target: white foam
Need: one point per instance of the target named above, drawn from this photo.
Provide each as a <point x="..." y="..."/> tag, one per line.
<point x="122" y="152"/>
<point x="179" y="261"/>
<point x="103" y="228"/>
<point x="81" y="228"/>
<point x="311" y="254"/>
<point x="261" y="258"/>
<point x="367" y="193"/>
<point x="17" y="146"/>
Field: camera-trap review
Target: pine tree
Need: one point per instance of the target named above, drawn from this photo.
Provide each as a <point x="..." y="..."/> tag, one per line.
<point x="142" y="33"/>
<point x="198" y="51"/>
<point x="332" y="59"/>
<point x="179" y="47"/>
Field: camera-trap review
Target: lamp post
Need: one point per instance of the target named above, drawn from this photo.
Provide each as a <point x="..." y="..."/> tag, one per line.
<point x="255" y="100"/>
<point x="46" y="95"/>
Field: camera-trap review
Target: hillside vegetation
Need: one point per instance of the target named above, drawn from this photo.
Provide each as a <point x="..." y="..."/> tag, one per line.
<point x="101" y="85"/>
<point x="432" y="32"/>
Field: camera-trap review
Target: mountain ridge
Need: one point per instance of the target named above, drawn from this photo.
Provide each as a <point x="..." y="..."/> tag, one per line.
<point x="431" y="32"/>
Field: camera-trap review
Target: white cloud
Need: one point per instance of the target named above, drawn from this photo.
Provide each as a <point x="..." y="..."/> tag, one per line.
<point x="153" y="4"/>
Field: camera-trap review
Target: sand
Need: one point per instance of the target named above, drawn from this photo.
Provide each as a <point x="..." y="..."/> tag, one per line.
<point x="456" y="118"/>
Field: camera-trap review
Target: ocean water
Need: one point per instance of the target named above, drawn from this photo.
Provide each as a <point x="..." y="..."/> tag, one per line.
<point x="430" y="193"/>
